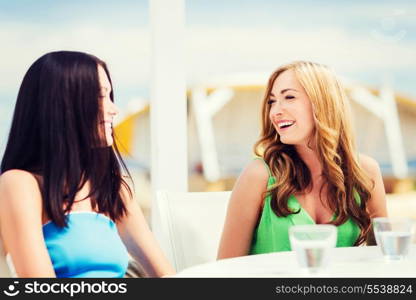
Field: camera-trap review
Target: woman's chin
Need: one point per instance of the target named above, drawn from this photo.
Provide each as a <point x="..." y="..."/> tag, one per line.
<point x="109" y="140"/>
<point x="287" y="141"/>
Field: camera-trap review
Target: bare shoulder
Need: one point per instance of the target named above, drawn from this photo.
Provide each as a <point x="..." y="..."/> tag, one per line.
<point x="244" y="209"/>
<point x="370" y="165"/>
<point x="126" y="193"/>
<point x="18" y="185"/>
<point x="377" y="204"/>
<point x="251" y="184"/>
<point x="17" y="177"/>
<point x="256" y="171"/>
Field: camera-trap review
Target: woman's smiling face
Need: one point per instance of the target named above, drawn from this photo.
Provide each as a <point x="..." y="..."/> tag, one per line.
<point x="291" y="110"/>
<point x="109" y="109"/>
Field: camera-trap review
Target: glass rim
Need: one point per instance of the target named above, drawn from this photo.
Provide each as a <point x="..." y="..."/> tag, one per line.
<point x="312" y="227"/>
<point x="393" y="219"/>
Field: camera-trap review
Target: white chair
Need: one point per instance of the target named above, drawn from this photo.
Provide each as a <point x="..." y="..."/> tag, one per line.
<point x="191" y="225"/>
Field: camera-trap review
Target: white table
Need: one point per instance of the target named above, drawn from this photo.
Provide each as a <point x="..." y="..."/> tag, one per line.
<point x="346" y="262"/>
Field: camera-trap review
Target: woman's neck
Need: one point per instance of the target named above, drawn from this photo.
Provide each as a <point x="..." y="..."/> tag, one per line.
<point x="310" y="158"/>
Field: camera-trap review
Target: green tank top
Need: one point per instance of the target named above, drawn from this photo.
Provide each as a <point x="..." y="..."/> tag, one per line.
<point x="271" y="234"/>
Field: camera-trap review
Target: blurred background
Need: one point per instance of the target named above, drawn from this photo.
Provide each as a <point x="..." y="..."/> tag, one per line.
<point x="232" y="47"/>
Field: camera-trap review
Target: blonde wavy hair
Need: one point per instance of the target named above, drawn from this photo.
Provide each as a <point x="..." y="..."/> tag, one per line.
<point x="334" y="143"/>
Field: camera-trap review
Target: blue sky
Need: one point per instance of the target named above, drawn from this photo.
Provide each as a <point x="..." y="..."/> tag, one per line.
<point x="66" y="13"/>
<point x="363" y="40"/>
<point x="123" y="26"/>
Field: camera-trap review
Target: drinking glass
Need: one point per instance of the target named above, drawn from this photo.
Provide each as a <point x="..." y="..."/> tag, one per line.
<point x="313" y="244"/>
<point x="393" y="236"/>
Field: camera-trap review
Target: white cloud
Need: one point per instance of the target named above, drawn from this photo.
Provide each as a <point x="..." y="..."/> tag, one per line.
<point x="212" y="50"/>
<point x="127" y="52"/>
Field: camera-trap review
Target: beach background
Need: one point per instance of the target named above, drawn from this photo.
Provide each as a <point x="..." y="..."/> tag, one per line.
<point x="372" y="43"/>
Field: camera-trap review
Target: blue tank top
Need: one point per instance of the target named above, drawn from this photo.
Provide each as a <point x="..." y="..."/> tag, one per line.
<point x="89" y="246"/>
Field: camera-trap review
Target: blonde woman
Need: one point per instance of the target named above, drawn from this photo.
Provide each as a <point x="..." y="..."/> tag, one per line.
<point x="307" y="171"/>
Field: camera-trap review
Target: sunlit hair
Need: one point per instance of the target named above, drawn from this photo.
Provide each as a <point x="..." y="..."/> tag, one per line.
<point x="334" y="145"/>
<point x="57" y="133"/>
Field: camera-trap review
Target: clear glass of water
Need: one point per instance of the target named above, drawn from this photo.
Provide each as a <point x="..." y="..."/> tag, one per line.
<point x="394" y="236"/>
<point x="313" y="244"/>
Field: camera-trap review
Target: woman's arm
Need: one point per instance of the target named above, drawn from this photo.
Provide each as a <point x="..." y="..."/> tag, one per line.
<point x="377" y="203"/>
<point x="140" y="242"/>
<point x="243" y="211"/>
<point x="21" y="224"/>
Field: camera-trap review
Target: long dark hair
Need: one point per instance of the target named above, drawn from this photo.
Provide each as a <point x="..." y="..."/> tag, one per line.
<point x="55" y="133"/>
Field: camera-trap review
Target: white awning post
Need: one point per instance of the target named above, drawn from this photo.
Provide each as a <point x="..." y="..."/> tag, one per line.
<point x="205" y="107"/>
<point x="168" y="112"/>
<point x="384" y="107"/>
<point x="394" y="133"/>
